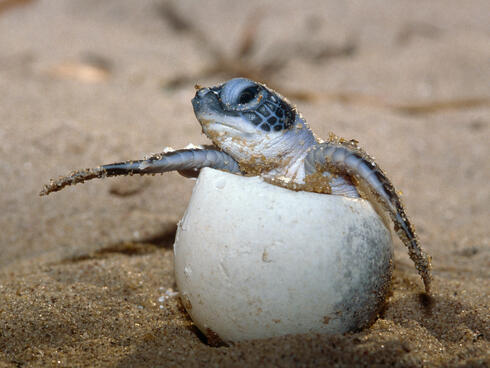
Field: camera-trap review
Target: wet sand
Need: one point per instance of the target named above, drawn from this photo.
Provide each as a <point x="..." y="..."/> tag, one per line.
<point x="85" y="273"/>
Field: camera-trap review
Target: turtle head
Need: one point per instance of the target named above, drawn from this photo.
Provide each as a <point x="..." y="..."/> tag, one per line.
<point x="251" y="122"/>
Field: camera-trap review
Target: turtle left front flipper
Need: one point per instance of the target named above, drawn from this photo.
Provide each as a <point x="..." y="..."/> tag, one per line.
<point x="184" y="160"/>
<point x="344" y="157"/>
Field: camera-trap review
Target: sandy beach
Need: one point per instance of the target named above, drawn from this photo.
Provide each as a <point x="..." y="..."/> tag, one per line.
<point x="86" y="274"/>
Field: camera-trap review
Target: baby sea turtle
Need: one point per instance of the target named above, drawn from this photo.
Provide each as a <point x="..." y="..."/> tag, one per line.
<point x="256" y="131"/>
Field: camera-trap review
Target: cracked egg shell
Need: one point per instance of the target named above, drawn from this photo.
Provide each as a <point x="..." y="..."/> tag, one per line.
<point x="254" y="260"/>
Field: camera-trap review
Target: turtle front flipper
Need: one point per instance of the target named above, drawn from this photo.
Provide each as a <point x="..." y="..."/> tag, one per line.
<point x="343" y="157"/>
<point x="184" y="160"/>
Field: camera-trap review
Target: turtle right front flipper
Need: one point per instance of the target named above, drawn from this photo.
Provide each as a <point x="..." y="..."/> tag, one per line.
<point x="344" y="157"/>
<point x="181" y="160"/>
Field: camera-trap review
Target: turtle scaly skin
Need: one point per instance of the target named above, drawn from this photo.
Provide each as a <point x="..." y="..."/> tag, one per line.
<point x="256" y="131"/>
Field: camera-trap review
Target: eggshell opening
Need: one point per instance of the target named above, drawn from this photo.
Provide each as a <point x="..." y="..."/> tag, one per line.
<point x="254" y="260"/>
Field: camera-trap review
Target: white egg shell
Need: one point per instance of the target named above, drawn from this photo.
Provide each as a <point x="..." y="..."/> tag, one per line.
<point x="254" y="260"/>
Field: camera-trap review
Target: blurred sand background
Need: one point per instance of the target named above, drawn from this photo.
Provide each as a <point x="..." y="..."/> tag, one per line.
<point x="86" y="274"/>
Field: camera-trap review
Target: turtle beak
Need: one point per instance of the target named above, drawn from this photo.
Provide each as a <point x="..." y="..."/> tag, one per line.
<point x="205" y="101"/>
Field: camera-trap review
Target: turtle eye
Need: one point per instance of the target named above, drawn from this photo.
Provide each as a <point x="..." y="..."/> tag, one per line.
<point x="240" y="94"/>
<point x="248" y="94"/>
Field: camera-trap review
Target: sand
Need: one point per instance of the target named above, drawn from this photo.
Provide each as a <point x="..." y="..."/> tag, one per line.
<point x="85" y="273"/>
